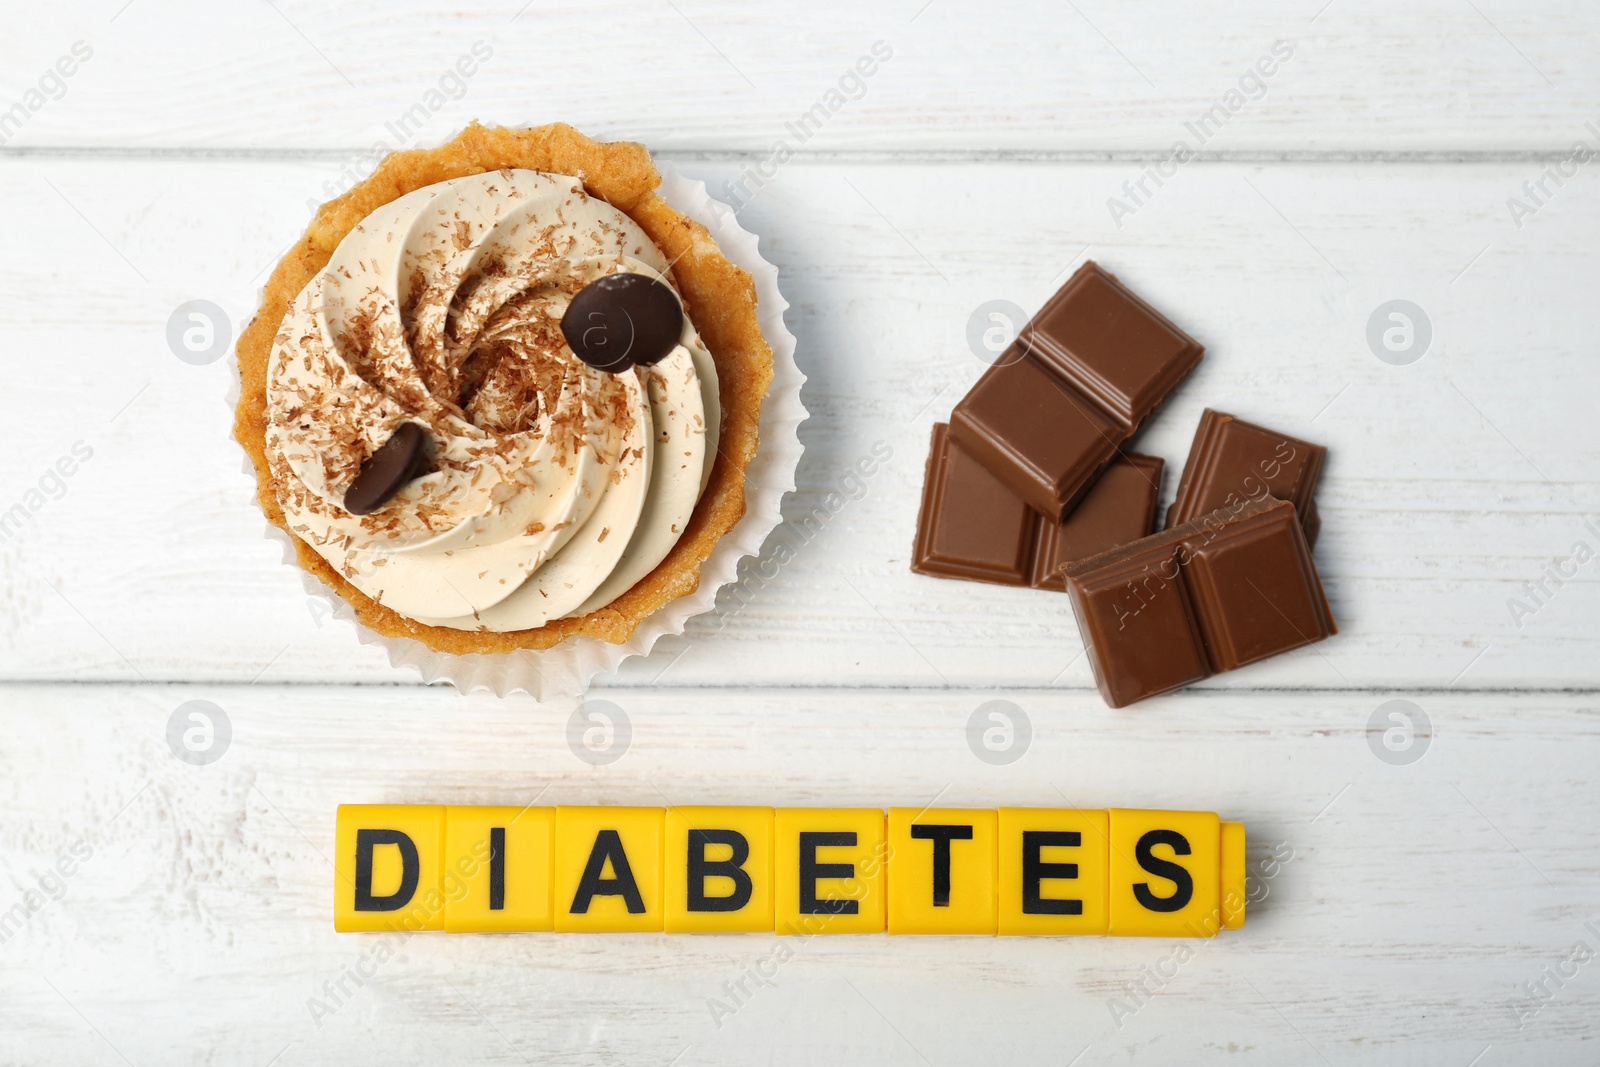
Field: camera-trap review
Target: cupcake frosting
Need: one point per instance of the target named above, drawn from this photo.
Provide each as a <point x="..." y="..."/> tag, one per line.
<point x="546" y="488"/>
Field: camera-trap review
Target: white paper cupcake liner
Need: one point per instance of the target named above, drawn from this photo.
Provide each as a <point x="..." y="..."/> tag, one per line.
<point x="566" y="670"/>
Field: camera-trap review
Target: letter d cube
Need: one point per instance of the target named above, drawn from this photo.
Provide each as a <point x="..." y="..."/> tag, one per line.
<point x="388" y="867"/>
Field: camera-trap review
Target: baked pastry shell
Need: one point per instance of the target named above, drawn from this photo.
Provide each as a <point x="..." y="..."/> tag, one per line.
<point x="719" y="297"/>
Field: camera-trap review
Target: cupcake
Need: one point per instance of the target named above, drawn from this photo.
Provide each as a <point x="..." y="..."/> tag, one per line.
<point x="502" y="394"/>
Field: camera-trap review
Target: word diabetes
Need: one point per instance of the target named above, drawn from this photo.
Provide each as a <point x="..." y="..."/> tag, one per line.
<point x="1040" y="871"/>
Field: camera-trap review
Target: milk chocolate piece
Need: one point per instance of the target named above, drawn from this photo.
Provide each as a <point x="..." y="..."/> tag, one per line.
<point x="972" y="526"/>
<point x="1120" y="507"/>
<point x="1213" y="594"/>
<point x="1232" y="461"/>
<point x="1054" y="410"/>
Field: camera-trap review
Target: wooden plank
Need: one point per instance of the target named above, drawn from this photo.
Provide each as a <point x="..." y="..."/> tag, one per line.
<point x="1451" y="483"/>
<point x="1419" y="899"/>
<point x="989" y="153"/>
<point x="720" y="75"/>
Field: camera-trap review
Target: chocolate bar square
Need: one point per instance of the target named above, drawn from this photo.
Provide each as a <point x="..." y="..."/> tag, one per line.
<point x="1255" y="590"/>
<point x="1036" y="433"/>
<point x="1243" y="579"/>
<point x="970" y="526"/>
<point x="1232" y="461"/>
<point x="1119" y="507"/>
<point x="1083" y="374"/>
<point x="1140" y="629"/>
<point x="1112" y="345"/>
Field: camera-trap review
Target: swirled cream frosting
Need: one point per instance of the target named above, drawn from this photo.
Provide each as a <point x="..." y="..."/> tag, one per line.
<point x="547" y="488"/>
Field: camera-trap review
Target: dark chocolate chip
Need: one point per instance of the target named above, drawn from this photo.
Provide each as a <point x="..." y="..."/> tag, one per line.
<point x="384" y="472"/>
<point x="621" y="320"/>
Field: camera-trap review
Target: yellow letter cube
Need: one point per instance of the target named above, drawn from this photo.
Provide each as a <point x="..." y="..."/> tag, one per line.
<point x="1234" y="890"/>
<point x="1053" y="867"/>
<point x="941" y="871"/>
<point x="1165" y="873"/>
<point x="828" y="870"/>
<point x="608" y="869"/>
<point x="388" y="867"/>
<point x="718" y="865"/>
<point x="497" y="868"/>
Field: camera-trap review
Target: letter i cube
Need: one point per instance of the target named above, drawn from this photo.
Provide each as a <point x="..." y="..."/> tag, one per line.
<point x="498" y="868"/>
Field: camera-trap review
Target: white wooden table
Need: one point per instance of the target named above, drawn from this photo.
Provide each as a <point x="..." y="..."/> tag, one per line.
<point x="1376" y="162"/>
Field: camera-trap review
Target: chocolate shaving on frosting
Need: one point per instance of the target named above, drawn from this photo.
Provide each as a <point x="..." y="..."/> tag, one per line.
<point x="444" y="309"/>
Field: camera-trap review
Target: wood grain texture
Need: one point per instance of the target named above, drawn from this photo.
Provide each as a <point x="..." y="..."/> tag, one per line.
<point x="1450" y="483"/>
<point x="978" y="163"/>
<point x="1026" y="76"/>
<point x="1418" y="900"/>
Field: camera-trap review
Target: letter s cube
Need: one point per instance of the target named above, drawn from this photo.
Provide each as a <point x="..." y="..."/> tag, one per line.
<point x="1165" y="873"/>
